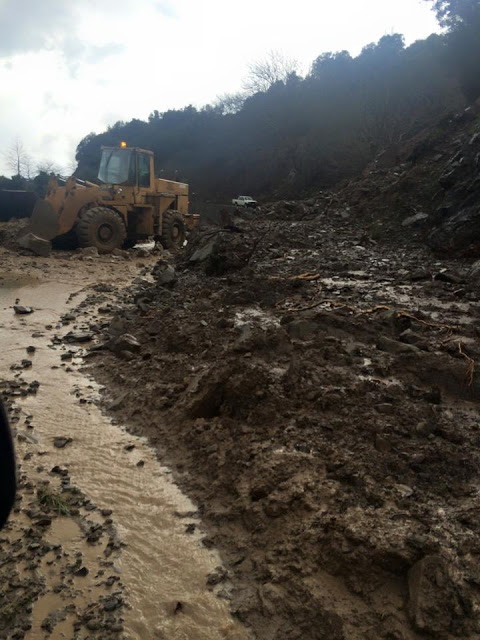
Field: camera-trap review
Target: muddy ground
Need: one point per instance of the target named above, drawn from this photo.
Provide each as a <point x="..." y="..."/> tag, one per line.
<point x="96" y="546"/>
<point x="315" y="393"/>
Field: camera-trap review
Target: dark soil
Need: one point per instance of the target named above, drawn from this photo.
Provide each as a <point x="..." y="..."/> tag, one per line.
<point x="315" y="393"/>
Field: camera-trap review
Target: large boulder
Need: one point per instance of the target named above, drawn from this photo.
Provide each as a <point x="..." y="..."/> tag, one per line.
<point x="459" y="233"/>
<point x="35" y="244"/>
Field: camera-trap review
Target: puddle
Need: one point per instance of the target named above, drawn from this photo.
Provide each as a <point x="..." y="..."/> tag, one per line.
<point x="161" y="565"/>
<point x="47" y="605"/>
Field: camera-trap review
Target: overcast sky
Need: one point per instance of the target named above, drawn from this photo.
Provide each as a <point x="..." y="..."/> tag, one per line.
<point x="69" y="68"/>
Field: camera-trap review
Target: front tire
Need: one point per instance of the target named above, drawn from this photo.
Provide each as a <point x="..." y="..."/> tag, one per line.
<point x="102" y="228"/>
<point x="173" y="231"/>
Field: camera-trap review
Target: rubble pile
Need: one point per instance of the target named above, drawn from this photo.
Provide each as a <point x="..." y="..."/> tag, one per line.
<point x="316" y="394"/>
<point x="427" y="188"/>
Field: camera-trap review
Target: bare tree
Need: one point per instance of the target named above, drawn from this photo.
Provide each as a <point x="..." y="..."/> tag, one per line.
<point x="275" y="67"/>
<point x="229" y="103"/>
<point x="48" y="166"/>
<point x="17" y="158"/>
<point x="28" y="166"/>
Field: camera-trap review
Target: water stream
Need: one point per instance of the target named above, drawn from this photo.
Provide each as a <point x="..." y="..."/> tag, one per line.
<point x="161" y="564"/>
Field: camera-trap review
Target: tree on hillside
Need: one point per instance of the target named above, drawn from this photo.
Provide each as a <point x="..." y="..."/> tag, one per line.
<point x="453" y="14"/>
<point x="461" y="18"/>
<point x="298" y="134"/>
<point x="263" y="74"/>
<point x="230" y="103"/>
<point x="18" y="160"/>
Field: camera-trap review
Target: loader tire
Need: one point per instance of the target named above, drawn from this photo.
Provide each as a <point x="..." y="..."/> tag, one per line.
<point x="173" y="231"/>
<point x="102" y="228"/>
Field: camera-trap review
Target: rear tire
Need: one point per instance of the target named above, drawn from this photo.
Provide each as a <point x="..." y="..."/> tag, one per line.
<point x="173" y="231"/>
<point x="102" y="228"/>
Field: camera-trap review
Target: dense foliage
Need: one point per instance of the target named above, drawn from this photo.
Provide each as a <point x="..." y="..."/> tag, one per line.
<point x="461" y="18"/>
<point x="306" y="133"/>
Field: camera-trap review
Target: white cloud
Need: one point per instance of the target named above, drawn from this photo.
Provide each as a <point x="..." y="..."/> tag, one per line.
<point x="72" y="68"/>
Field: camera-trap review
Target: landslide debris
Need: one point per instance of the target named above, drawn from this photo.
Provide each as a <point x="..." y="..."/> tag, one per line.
<point x="316" y="394"/>
<point x="427" y="187"/>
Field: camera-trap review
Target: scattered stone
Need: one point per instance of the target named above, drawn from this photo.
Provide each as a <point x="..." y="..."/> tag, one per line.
<point x="165" y="275"/>
<point x="78" y="336"/>
<point x="20" y="310"/>
<point x="125" y="342"/>
<point x="418" y="217"/>
<point x="61" y="441"/>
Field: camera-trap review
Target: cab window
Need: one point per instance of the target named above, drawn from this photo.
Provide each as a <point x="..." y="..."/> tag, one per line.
<point x="143" y="170"/>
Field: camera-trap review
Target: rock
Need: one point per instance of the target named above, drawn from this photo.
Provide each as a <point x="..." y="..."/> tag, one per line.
<point x="392" y="346"/>
<point x="475" y="271"/>
<point x="219" y="575"/>
<point x="456" y="232"/>
<point x="93" y="625"/>
<point x="418" y="217"/>
<point x="118" y="325"/>
<point x="117" y="402"/>
<point x="203" y="253"/>
<point x="125" y="342"/>
<point x="78" y="336"/>
<point x="404" y="490"/>
<point x="61" y="441"/>
<point x="444" y="276"/>
<point x="120" y="253"/>
<point x="111" y="604"/>
<point x="20" y="310"/>
<point x="35" y="244"/>
<point x="89" y="251"/>
<point x="474" y="139"/>
<point x="31" y="349"/>
<point x="167" y="276"/>
<point x="43" y="521"/>
<point x="434" y="601"/>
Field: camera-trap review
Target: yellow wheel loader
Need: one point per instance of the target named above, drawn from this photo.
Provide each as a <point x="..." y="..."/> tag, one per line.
<point x="129" y="205"/>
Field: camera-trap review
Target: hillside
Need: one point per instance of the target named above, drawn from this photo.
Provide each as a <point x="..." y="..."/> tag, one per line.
<point x="299" y="134"/>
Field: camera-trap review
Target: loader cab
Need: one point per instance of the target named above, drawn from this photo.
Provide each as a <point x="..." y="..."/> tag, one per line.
<point x="127" y="167"/>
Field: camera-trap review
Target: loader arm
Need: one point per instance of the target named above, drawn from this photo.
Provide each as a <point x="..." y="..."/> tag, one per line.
<point x="58" y="212"/>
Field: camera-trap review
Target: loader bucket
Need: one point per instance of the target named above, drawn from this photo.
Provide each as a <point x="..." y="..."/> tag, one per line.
<point x="16" y="204"/>
<point x="44" y="221"/>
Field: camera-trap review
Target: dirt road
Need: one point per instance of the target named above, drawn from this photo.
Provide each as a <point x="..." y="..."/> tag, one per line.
<point x="97" y="545"/>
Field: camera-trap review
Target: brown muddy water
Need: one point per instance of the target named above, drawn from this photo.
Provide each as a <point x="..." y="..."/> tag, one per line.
<point x="161" y="565"/>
